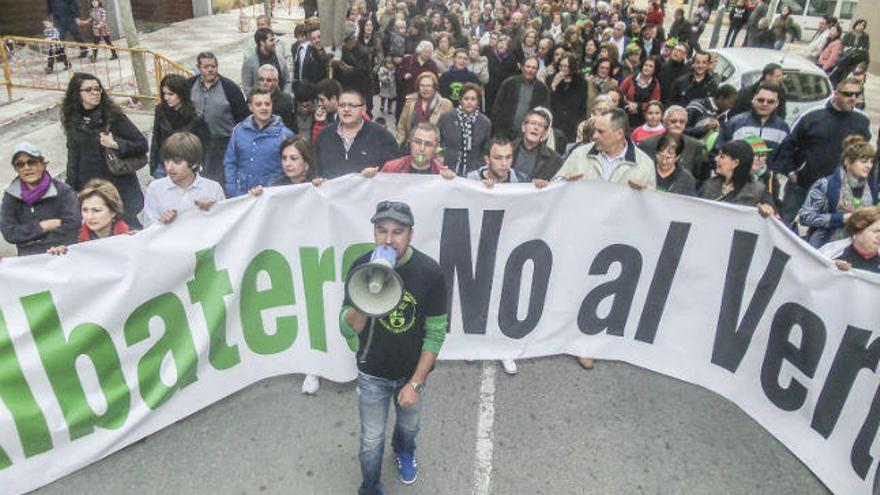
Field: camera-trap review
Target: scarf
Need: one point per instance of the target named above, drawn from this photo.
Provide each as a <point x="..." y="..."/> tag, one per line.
<point x="466" y="123"/>
<point x="31" y="196"/>
<point x="422" y="113"/>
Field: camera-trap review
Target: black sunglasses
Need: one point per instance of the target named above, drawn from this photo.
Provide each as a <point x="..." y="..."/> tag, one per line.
<point x="393" y="205"/>
<point x="850" y="94"/>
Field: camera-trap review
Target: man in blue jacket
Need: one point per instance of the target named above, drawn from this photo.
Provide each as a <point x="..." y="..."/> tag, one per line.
<point x="253" y="157"/>
<point x="762" y="121"/>
<point x="813" y="148"/>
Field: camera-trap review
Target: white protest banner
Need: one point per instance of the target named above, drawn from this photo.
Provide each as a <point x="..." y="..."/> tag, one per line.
<point x="125" y="336"/>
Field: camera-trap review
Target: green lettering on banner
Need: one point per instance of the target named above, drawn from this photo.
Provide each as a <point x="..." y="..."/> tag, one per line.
<point x="176" y="339"/>
<point x="352" y="253"/>
<point x="315" y="272"/>
<point x="59" y="354"/>
<point x="254" y="301"/>
<point x="19" y="399"/>
<point x="208" y="287"/>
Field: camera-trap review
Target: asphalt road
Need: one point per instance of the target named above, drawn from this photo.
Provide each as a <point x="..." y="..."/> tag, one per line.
<point x="557" y="430"/>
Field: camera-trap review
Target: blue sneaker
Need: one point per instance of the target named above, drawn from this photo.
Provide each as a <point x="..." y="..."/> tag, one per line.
<point x="407" y="467"/>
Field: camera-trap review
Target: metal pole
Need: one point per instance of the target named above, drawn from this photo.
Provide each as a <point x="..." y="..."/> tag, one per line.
<point x="716" y="29"/>
<point x="772" y="10"/>
<point x="137" y="57"/>
<point x="267" y="9"/>
<point x="7" y="74"/>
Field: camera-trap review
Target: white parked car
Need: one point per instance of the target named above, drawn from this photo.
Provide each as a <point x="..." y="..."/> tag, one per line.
<point x="806" y="85"/>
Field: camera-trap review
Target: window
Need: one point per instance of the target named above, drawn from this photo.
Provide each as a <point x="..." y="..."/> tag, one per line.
<point x="750" y="78"/>
<point x="723" y="69"/>
<point x="822" y="8"/>
<point x="848" y="8"/>
<point x="797" y="6"/>
<point x="805" y="87"/>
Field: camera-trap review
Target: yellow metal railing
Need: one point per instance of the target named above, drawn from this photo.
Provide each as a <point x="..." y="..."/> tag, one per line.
<point x="31" y="63"/>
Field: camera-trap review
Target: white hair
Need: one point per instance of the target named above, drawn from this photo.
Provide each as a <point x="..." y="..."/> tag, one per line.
<point x="674" y="108"/>
<point x="268" y="68"/>
<point x="424" y="44"/>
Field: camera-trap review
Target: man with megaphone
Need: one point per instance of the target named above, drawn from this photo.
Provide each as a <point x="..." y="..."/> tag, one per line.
<point x="394" y="316"/>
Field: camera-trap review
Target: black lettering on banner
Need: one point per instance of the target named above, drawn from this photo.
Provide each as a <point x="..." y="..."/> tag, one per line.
<point x="622" y="288"/>
<point x="474" y="281"/>
<point x="732" y="337"/>
<point x="661" y="283"/>
<point x="853" y="355"/>
<point x="542" y="260"/>
<point x="804" y="357"/>
<point x="860" y="455"/>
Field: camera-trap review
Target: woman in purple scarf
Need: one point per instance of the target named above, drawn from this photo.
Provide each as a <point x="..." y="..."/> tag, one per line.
<point x="38" y="211"/>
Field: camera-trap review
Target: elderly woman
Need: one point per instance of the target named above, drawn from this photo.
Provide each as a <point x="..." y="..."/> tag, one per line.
<point x="478" y="64"/>
<point x="425" y="105"/>
<point x="38" y="212"/>
<point x="411" y="66"/>
<point x="734" y="182"/>
<point x="832" y="199"/>
<point x="860" y="250"/>
<point x="464" y="132"/>
<point x="94" y="125"/>
<point x="671" y="176"/>
<point x="444" y="52"/>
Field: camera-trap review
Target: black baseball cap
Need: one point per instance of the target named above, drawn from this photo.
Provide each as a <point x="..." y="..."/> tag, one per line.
<point x="398" y="211"/>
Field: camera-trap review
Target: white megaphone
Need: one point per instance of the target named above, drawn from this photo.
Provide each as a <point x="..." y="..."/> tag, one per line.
<point x="374" y="288"/>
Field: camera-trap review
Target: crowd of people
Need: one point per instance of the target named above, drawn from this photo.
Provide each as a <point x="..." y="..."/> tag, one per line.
<point x="514" y="92"/>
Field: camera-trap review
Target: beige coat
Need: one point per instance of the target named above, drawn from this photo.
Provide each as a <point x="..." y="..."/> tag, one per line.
<point x="636" y="165"/>
<point x="404" y="123"/>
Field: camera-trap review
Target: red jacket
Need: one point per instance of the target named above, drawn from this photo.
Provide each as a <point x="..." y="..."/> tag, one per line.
<point x="403" y="165"/>
<point x="119" y="227"/>
<point x="628" y="87"/>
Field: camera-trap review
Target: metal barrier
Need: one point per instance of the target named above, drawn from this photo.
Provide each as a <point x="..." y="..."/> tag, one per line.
<point x="31" y="63"/>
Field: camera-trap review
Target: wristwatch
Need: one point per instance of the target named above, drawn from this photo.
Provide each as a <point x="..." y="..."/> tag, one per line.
<point x="417" y="386"/>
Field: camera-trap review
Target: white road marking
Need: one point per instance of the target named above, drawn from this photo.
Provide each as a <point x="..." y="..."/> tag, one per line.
<point x="485" y="431"/>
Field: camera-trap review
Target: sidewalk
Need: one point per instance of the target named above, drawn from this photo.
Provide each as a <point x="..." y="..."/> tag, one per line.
<point x="180" y="42"/>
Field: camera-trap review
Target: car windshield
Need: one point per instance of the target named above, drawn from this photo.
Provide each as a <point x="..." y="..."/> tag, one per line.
<point x="798" y="86"/>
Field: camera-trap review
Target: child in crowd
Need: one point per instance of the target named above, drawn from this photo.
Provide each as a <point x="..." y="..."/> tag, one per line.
<point x="183" y="188"/>
<point x="653" y="125"/>
<point x="56" y="52"/>
<point x="100" y="28"/>
<point x="388" y="85"/>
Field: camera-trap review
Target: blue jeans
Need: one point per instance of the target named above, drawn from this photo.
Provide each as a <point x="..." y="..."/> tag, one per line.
<point x="374" y="396"/>
<point x="791" y="203"/>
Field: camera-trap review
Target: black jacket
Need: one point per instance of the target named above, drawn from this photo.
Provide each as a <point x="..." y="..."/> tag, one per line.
<point x="233" y="95"/>
<point x="546" y="165"/>
<point x="814" y="146"/>
<point x="668" y="74"/>
<point x="504" y="107"/>
<point x="163" y="127"/>
<point x="85" y="157"/>
<point x="314" y="68"/>
<point x="568" y="104"/>
<point x="283" y="106"/>
<point x="20" y="223"/>
<point x="63" y="9"/>
<point x="372" y="147"/>
<point x="685" y="89"/>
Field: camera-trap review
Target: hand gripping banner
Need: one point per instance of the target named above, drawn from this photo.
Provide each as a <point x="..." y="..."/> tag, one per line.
<point x="127" y="335"/>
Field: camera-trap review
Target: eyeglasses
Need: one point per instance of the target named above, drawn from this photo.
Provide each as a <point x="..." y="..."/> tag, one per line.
<point x="676" y="121"/>
<point x="267" y="79"/>
<point x="765" y="101"/>
<point x="536" y="123"/>
<point x="666" y="155"/>
<point x="30" y="162"/>
<point x="424" y="144"/>
<point x="850" y="94"/>
<point x="350" y="105"/>
<point x="93" y="89"/>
